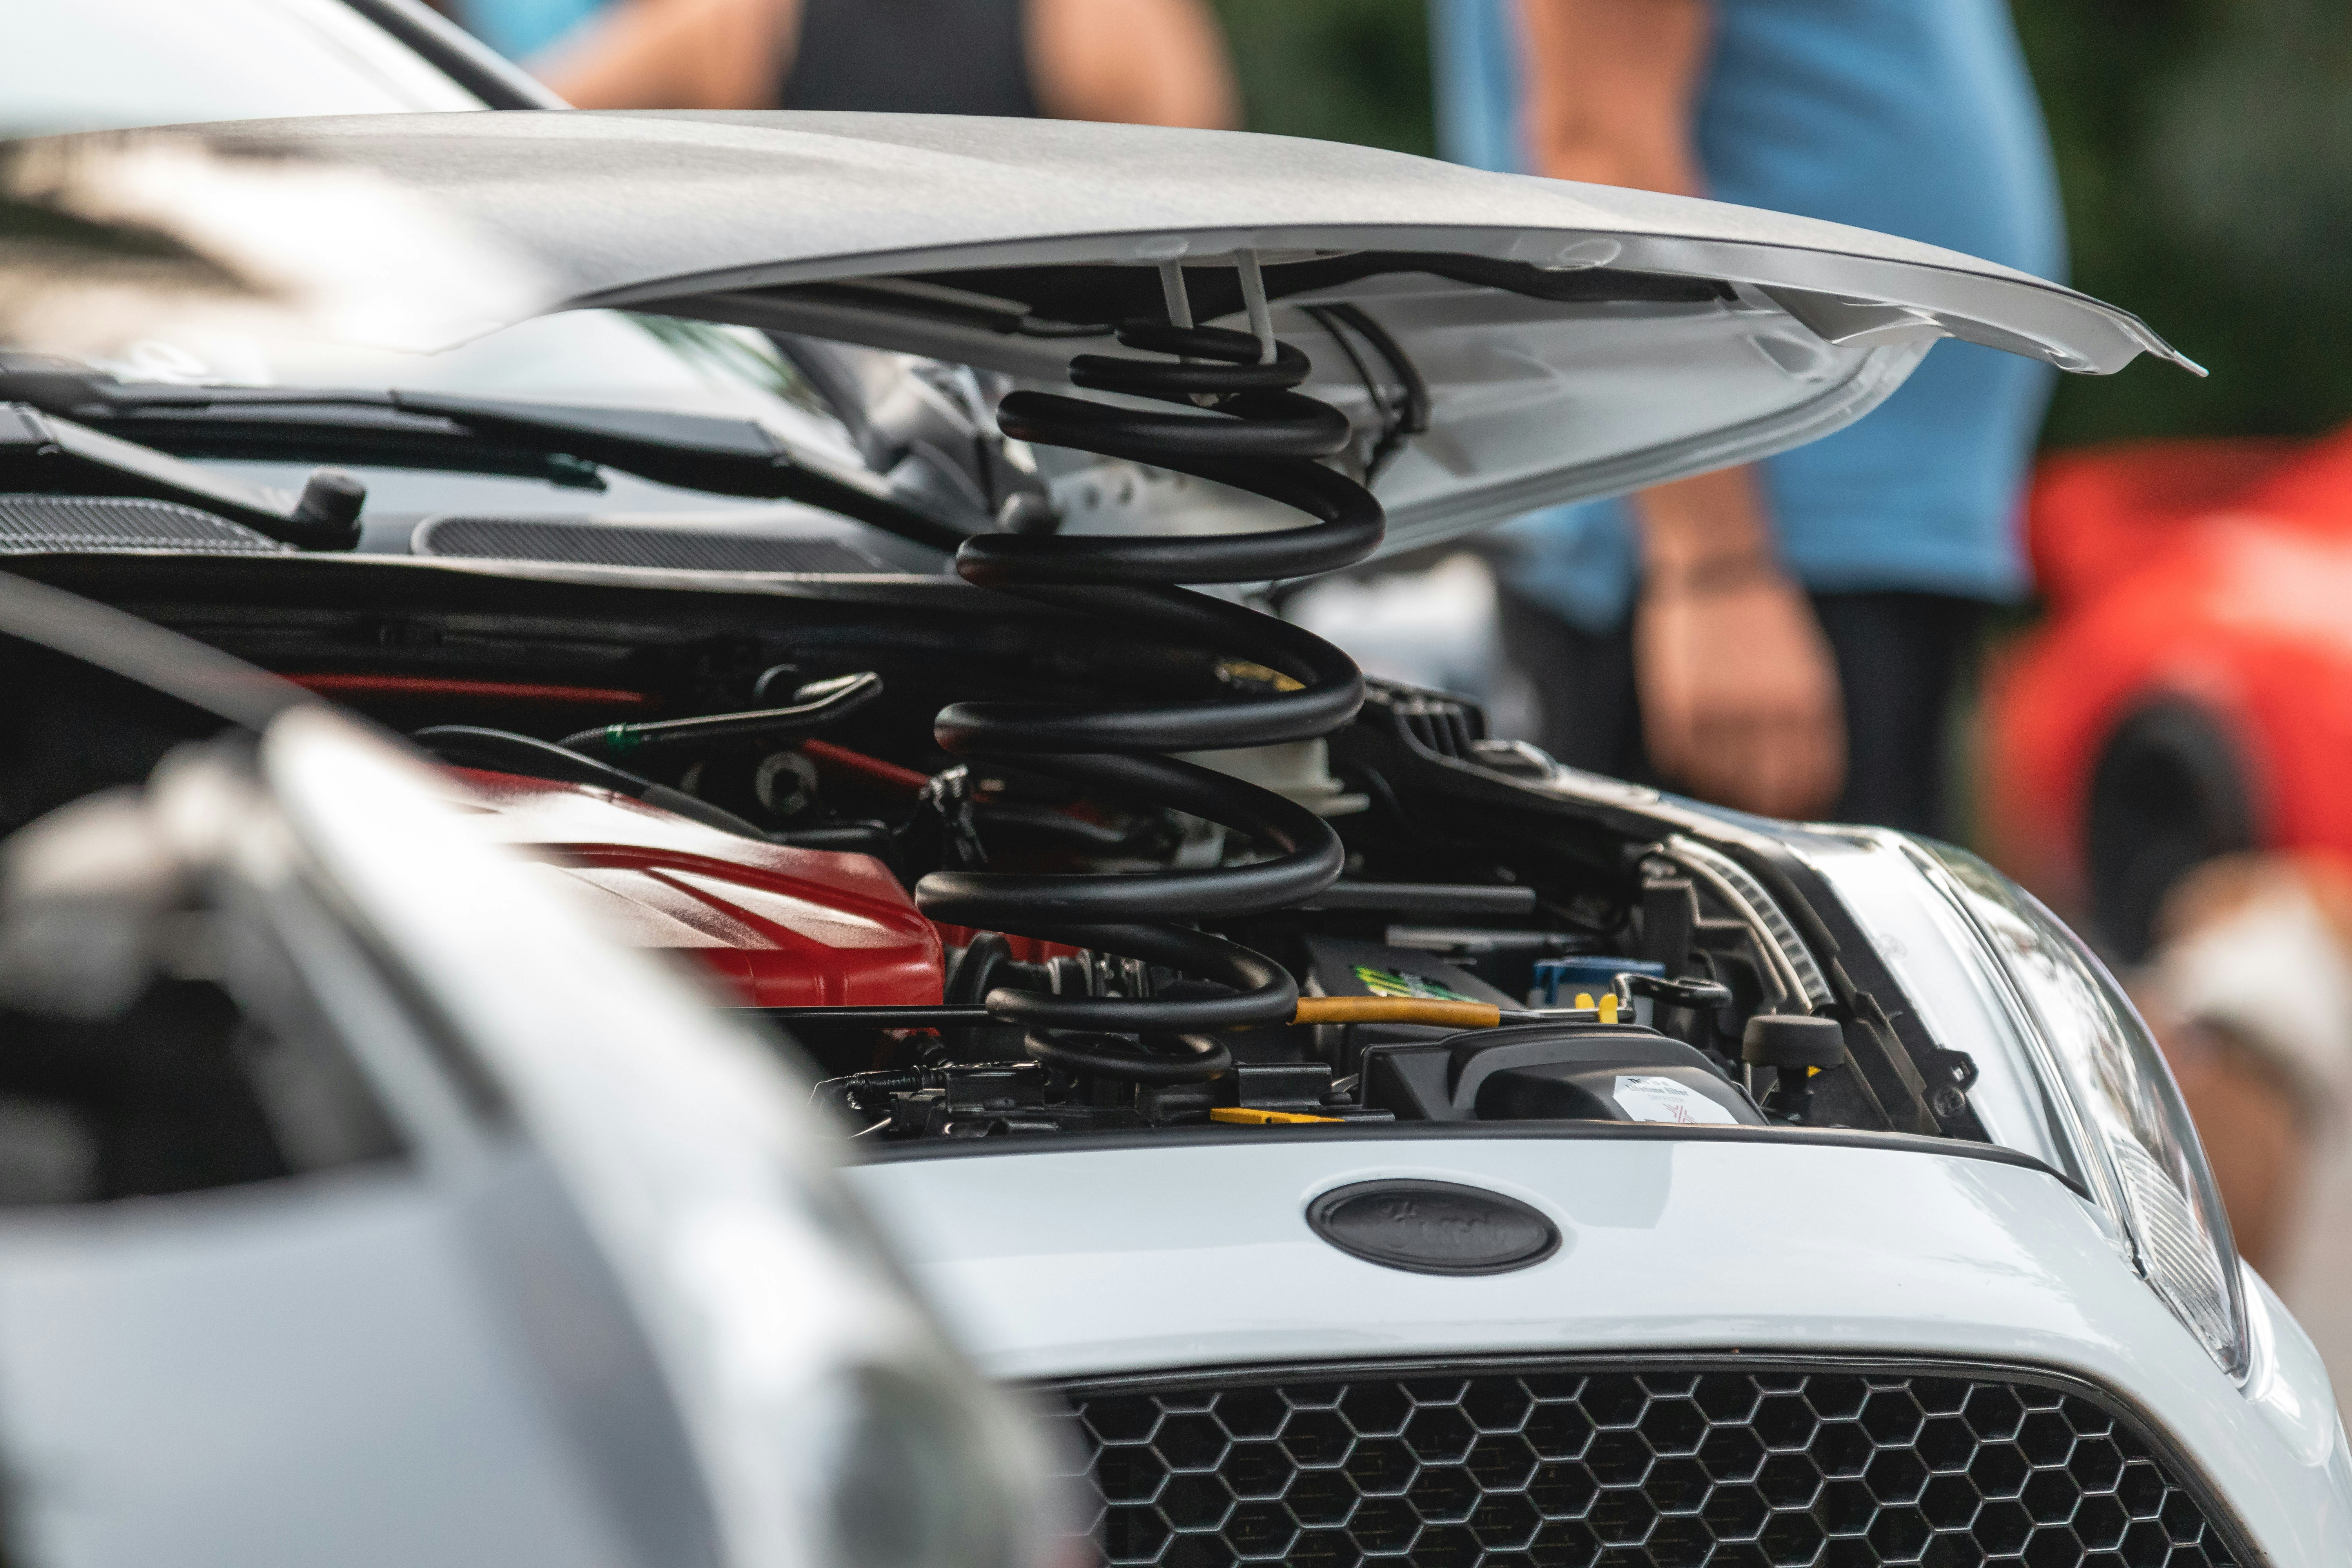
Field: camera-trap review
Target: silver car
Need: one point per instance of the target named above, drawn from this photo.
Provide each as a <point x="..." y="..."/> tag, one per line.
<point x="1377" y="1140"/>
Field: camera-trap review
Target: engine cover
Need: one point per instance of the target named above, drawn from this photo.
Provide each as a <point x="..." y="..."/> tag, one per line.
<point x="782" y="926"/>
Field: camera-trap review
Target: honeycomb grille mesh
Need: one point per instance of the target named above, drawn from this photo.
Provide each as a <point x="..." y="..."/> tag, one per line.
<point x="1580" y="1465"/>
<point x="32" y="524"/>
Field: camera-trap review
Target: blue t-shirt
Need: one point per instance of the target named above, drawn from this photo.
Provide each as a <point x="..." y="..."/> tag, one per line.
<point x="1912" y="117"/>
<point x="522" y="28"/>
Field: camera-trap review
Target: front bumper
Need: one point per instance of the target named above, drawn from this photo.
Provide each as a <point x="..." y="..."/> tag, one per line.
<point x="1074" y="1263"/>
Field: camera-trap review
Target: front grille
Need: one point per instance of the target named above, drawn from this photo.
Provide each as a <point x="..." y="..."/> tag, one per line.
<point x="1618" y="1463"/>
<point x="586" y="542"/>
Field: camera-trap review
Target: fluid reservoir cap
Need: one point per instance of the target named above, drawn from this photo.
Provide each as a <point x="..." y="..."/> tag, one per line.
<point x="1789" y="1040"/>
<point x="1432" y="1227"/>
<point x="328" y="515"/>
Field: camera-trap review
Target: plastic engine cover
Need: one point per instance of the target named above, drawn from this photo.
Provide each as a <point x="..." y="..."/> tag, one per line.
<point x="1546" y="1072"/>
<point x="784" y="927"/>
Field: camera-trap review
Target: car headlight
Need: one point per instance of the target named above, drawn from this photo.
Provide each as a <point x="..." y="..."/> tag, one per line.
<point x="2139" y="1153"/>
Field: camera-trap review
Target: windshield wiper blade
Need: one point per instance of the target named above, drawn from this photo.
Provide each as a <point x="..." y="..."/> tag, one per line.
<point x="44" y="453"/>
<point x="692" y="451"/>
<point x="712" y="453"/>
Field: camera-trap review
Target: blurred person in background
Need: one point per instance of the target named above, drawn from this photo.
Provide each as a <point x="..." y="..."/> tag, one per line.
<point x="519" y="29"/>
<point x="1146" y="62"/>
<point x="1784" y="638"/>
<point x="2250" y="989"/>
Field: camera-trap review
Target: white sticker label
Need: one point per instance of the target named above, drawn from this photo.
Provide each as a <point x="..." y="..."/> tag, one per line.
<point x="1648" y="1099"/>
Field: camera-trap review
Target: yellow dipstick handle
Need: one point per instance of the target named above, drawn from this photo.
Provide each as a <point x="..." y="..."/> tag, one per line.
<point x="1243" y="1116"/>
<point x="1396" y="1010"/>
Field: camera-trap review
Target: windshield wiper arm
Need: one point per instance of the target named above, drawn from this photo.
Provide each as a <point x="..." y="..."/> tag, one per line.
<point x="693" y="451"/>
<point x="711" y="453"/>
<point x="42" y="452"/>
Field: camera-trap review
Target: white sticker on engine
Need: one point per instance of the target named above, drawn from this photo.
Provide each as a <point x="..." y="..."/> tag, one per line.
<point x="1649" y="1099"/>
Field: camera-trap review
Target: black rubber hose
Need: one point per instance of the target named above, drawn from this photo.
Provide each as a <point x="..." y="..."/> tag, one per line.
<point x="812" y="708"/>
<point x="969" y="980"/>
<point x="1241" y="426"/>
<point x="502" y="751"/>
<point x="1180" y="1058"/>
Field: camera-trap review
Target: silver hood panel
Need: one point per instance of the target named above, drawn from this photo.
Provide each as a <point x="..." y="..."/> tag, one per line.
<point x="1577" y="340"/>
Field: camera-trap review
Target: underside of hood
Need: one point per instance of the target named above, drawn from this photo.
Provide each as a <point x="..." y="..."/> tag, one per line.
<point x="1553" y="342"/>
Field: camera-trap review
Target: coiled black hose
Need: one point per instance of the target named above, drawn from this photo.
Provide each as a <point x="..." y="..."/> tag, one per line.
<point x="1243" y="426"/>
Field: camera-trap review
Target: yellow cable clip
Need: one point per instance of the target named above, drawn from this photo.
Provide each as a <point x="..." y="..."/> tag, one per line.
<point x="1243" y="1116"/>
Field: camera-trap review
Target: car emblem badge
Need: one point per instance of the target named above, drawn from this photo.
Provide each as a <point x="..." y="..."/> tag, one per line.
<point x="1432" y="1227"/>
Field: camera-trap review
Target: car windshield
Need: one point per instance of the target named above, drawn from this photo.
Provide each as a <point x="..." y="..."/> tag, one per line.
<point x="612" y="359"/>
<point x="101" y="65"/>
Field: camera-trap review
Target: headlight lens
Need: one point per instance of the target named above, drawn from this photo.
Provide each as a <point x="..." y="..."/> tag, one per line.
<point x="2141" y="1153"/>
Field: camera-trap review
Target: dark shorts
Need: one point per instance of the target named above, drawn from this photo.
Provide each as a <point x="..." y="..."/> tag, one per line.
<point x="1900" y="659"/>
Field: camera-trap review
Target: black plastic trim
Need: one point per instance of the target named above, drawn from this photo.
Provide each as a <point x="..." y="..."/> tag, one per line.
<point x="457" y="55"/>
<point x="1841" y="949"/>
<point x="1410" y="1132"/>
<point x="139" y="650"/>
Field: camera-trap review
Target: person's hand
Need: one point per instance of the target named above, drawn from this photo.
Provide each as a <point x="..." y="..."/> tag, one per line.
<point x="1739" y="693"/>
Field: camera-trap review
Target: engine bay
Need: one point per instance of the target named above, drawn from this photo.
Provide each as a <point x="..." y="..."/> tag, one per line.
<point x="1081" y="839"/>
<point x="1507" y="943"/>
<point x="1444" y="978"/>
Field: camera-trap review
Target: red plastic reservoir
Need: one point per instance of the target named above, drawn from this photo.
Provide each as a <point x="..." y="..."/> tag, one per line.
<point x="784" y="927"/>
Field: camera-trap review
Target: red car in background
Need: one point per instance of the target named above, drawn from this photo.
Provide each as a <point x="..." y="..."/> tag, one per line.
<point x="2188" y="693"/>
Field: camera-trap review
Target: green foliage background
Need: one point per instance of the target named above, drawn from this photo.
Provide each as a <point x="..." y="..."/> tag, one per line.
<point x="1342" y="70"/>
<point x="2204" y="146"/>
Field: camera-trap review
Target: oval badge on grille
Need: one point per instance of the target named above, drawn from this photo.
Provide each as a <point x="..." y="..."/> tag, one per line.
<point x="1432" y="1227"/>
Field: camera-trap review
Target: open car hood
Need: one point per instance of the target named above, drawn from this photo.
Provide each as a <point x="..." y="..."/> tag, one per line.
<point x="1574" y="341"/>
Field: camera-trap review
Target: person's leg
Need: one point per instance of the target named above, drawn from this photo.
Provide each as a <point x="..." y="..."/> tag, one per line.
<point x="1899" y="657"/>
<point x="1583" y="685"/>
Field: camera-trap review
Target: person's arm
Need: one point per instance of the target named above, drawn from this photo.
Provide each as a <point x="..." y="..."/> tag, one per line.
<point x="677" y="54"/>
<point x="1739" y="693"/>
<point x="1611" y="88"/>
<point x="1139" y="62"/>
<point x="1740" y="700"/>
